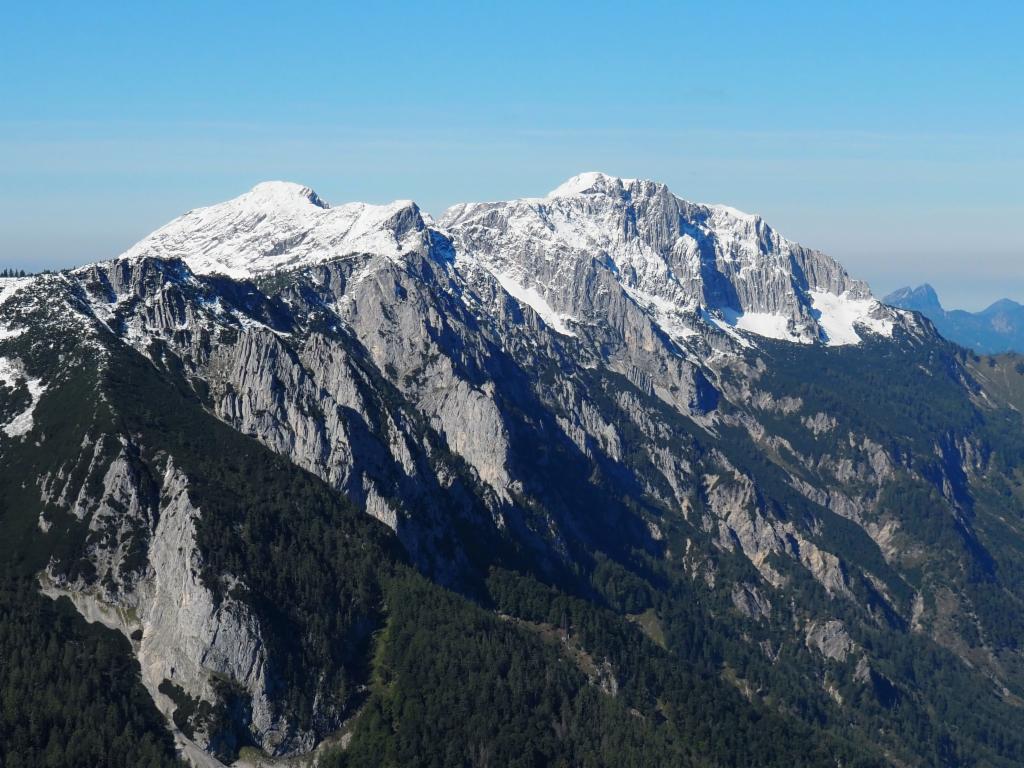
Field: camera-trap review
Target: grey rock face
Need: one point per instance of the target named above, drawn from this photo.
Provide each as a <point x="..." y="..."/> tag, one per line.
<point x="750" y="602"/>
<point x="188" y="637"/>
<point x="830" y="639"/>
<point x="738" y="517"/>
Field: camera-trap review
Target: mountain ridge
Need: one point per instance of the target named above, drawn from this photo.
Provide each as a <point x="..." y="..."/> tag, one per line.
<point x="682" y="260"/>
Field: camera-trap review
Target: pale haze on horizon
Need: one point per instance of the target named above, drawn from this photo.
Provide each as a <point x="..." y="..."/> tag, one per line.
<point x="892" y="139"/>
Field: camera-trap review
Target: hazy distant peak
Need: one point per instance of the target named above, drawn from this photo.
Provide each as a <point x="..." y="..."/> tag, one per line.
<point x="998" y="328"/>
<point x="921" y="298"/>
<point x="1002" y="305"/>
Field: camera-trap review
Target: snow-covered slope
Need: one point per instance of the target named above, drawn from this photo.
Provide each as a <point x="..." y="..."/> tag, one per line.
<point x="280" y="225"/>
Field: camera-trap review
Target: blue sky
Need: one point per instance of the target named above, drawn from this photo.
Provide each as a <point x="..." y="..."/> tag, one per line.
<point x="890" y="135"/>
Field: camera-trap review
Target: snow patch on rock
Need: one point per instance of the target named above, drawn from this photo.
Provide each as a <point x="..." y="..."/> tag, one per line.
<point x="532" y="298"/>
<point x="840" y="315"/>
<point x="11" y="285"/>
<point x="765" y="324"/>
<point x="11" y="371"/>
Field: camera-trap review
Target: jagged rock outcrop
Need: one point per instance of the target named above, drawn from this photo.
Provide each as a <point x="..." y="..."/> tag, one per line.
<point x="830" y="639"/>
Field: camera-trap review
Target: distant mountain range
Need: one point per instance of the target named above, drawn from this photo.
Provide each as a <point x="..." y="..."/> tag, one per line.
<point x="999" y="328"/>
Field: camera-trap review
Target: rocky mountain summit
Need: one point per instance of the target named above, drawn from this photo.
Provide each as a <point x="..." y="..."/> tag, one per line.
<point x="618" y="458"/>
<point x="685" y="264"/>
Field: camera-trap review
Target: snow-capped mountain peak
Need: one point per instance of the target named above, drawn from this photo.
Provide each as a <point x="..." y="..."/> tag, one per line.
<point x="596" y="182"/>
<point x="590" y="182"/>
<point x="687" y="264"/>
<point x="286" y="193"/>
<point x="281" y="225"/>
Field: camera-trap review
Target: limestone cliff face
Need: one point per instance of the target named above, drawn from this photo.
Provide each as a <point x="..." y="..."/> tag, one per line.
<point x="192" y="639"/>
<point x="149" y="586"/>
